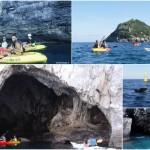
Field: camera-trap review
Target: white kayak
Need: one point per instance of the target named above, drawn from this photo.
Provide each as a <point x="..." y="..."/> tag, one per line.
<point x="83" y="147"/>
<point x="147" y="49"/>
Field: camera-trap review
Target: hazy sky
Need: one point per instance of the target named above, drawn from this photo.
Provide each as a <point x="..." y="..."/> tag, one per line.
<point x="92" y="20"/>
<point x="136" y="71"/>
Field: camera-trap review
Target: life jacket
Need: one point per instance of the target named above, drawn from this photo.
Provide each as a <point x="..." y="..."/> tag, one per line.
<point x="14" y="46"/>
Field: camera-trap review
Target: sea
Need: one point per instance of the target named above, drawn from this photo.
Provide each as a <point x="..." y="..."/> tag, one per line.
<point x="57" y="53"/>
<point x="133" y="99"/>
<point x="120" y="53"/>
<point x="137" y="142"/>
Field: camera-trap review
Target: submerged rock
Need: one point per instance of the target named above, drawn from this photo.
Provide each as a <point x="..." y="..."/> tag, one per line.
<point x="46" y="20"/>
<point x="70" y="101"/>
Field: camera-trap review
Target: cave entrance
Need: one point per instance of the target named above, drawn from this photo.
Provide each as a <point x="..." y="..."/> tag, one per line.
<point x="41" y="106"/>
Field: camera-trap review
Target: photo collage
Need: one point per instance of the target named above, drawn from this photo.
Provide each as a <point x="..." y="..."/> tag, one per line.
<point x="74" y="74"/>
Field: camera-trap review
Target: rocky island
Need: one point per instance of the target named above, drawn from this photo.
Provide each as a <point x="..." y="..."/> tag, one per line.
<point x="130" y="31"/>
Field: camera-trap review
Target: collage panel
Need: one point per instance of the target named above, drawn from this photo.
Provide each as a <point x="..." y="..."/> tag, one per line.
<point x="60" y="106"/>
<point x="136" y="86"/>
<point x="35" y="32"/>
<point x="136" y="133"/>
<point x="118" y="36"/>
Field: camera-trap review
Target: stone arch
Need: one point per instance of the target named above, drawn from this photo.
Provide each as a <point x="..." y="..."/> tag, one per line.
<point x="72" y="115"/>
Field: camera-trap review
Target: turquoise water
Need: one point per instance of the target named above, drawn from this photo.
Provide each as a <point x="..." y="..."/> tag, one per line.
<point x="121" y="53"/>
<point x="137" y="142"/>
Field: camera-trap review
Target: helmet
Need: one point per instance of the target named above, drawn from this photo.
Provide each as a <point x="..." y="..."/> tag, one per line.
<point x="29" y="35"/>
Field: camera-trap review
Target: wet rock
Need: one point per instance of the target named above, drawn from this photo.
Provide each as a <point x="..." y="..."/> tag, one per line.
<point x="47" y="20"/>
<point x="127" y="122"/>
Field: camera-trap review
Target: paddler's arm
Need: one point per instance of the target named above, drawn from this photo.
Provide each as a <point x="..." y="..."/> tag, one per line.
<point x="18" y="48"/>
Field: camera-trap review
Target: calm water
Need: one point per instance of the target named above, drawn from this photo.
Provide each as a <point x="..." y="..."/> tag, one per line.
<point x="121" y="53"/>
<point x="133" y="99"/>
<point x="57" y="53"/>
<point x="38" y="145"/>
<point x="137" y="142"/>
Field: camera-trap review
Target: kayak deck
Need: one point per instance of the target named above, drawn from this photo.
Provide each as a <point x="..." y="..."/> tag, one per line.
<point x="36" y="47"/>
<point x="100" y="49"/>
<point x="25" y="58"/>
<point x="9" y="143"/>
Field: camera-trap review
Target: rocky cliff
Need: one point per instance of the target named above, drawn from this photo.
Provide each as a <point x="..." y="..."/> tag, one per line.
<point x="140" y="120"/>
<point x="62" y="102"/>
<point x="130" y="31"/>
<point x="47" y="20"/>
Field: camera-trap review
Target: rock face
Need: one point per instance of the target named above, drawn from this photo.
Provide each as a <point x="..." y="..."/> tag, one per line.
<point x="127" y="122"/>
<point x="141" y="121"/>
<point x="70" y="102"/>
<point x="130" y="31"/>
<point x="47" y="20"/>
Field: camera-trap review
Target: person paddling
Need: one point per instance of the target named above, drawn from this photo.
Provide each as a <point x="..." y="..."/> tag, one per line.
<point x="4" y="43"/>
<point x="104" y="44"/>
<point x="3" y="138"/>
<point x="14" y="139"/>
<point x="96" y="45"/>
<point x="30" y="41"/>
<point x="16" y="46"/>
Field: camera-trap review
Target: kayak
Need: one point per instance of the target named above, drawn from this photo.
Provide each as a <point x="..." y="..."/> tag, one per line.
<point x="2" y="50"/>
<point x="9" y="143"/>
<point x="83" y="147"/>
<point x="25" y="58"/>
<point x="147" y="49"/>
<point x="36" y="47"/>
<point x="31" y="48"/>
<point x="100" y="49"/>
<point x="136" y="44"/>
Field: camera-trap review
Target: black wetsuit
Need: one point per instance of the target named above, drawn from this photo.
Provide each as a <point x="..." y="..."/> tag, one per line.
<point x="96" y="45"/>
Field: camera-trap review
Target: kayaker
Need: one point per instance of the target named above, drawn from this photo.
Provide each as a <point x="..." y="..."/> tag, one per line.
<point x="14" y="139"/>
<point x="31" y="41"/>
<point x="3" y="139"/>
<point x="4" y="43"/>
<point x="104" y="44"/>
<point x="16" y="46"/>
<point x="91" y="141"/>
<point x="96" y="45"/>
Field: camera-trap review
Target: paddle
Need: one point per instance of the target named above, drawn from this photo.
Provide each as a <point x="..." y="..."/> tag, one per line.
<point x="4" y="133"/>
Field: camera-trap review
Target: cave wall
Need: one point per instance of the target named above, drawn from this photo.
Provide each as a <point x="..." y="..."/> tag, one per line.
<point x="45" y="20"/>
<point x="140" y="120"/>
<point x="95" y="85"/>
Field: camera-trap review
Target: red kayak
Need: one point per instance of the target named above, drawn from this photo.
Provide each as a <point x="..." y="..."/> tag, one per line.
<point x="2" y="50"/>
<point x="136" y="44"/>
<point x="9" y="142"/>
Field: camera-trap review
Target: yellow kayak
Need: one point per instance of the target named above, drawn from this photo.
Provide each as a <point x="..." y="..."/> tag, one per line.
<point x="35" y="47"/>
<point x="100" y="49"/>
<point x="25" y="58"/>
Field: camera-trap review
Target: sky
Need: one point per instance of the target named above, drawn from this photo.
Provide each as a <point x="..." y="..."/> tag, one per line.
<point x="92" y="20"/>
<point x="136" y="71"/>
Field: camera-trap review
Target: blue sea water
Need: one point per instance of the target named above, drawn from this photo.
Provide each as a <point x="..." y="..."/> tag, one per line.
<point x="57" y="53"/>
<point x="133" y="99"/>
<point x="137" y="142"/>
<point x="121" y="53"/>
